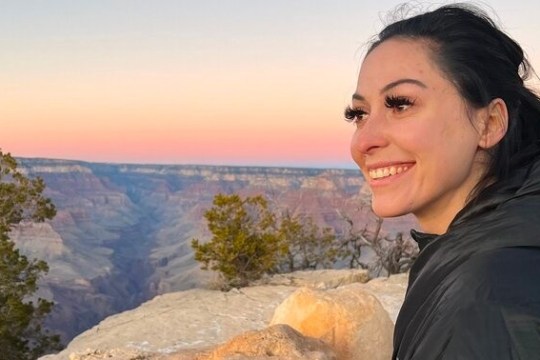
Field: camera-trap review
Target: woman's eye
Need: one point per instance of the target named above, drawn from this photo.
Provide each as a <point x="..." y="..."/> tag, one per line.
<point x="398" y="103"/>
<point x="355" y="115"/>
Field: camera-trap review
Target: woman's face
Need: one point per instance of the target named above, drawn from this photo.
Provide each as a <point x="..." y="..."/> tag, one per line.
<point x="415" y="141"/>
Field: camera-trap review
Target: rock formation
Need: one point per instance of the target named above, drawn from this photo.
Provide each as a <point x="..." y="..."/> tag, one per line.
<point x="195" y="322"/>
<point x="275" y="342"/>
<point x="349" y="318"/>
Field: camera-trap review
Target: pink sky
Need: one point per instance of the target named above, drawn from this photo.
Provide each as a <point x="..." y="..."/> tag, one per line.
<point x="244" y="82"/>
<point x="266" y="118"/>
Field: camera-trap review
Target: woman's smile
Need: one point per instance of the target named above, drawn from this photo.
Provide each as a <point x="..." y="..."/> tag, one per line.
<point x="379" y="172"/>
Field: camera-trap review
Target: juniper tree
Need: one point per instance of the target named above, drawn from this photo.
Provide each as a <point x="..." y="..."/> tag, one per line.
<point x="244" y="243"/>
<point x="305" y="245"/>
<point x="250" y="240"/>
<point x="22" y="335"/>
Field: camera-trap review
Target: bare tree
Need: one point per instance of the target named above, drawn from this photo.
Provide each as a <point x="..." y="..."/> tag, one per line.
<point x="393" y="254"/>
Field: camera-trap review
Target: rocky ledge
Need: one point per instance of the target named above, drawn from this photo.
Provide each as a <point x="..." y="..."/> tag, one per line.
<point x="328" y="314"/>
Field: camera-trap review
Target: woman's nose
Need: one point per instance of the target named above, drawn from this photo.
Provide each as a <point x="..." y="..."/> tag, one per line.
<point x="369" y="136"/>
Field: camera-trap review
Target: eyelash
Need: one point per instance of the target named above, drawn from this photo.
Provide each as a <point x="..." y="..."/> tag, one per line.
<point x="398" y="103"/>
<point x="354" y="115"/>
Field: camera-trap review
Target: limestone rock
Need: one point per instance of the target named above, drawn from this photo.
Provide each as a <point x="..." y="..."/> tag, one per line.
<point x="349" y="318"/>
<point x="324" y="279"/>
<point x="275" y="342"/>
<point x="113" y="354"/>
<point x="390" y="291"/>
<point x="183" y="320"/>
<point x="189" y="321"/>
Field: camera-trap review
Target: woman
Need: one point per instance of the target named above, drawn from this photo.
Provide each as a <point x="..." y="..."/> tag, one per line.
<point x="447" y="131"/>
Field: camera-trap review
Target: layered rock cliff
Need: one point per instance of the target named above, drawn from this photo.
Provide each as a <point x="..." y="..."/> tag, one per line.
<point x="122" y="233"/>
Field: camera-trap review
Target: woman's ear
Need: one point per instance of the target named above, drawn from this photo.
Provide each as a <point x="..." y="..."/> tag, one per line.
<point x="495" y="124"/>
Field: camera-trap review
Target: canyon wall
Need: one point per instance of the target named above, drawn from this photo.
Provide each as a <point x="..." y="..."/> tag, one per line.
<point x="122" y="232"/>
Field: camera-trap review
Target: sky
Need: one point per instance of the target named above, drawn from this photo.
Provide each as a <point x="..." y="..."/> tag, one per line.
<point x="219" y="82"/>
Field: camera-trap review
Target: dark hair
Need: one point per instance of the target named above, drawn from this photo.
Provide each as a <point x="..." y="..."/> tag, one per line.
<point x="484" y="64"/>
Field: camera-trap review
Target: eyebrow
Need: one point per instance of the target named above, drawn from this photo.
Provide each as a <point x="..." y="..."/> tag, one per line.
<point x="392" y="85"/>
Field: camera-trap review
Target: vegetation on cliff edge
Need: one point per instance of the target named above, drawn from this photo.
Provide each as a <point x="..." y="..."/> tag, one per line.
<point x="22" y="335"/>
<point x="249" y="240"/>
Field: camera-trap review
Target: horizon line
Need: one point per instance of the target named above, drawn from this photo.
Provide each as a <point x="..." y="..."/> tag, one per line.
<point x="142" y="163"/>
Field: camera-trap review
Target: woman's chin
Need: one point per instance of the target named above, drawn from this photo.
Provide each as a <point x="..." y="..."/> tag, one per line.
<point x="387" y="210"/>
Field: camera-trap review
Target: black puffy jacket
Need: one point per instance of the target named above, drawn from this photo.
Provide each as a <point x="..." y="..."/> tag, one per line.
<point x="474" y="292"/>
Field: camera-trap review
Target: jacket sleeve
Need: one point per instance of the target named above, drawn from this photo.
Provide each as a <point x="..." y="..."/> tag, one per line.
<point x="493" y="331"/>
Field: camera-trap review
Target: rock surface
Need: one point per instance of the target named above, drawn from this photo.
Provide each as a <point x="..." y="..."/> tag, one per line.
<point x="390" y="291"/>
<point x="349" y="318"/>
<point x="275" y="342"/>
<point x="184" y="320"/>
<point x="196" y="319"/>
<point x="325" y="279"/>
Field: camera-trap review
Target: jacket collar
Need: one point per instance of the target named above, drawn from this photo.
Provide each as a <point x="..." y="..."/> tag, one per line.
<point x="423" y="239"/>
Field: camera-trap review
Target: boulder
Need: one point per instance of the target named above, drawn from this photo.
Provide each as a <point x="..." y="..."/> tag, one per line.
<point x="390" y="291"/>
<point x="275" y="342"/>
<point x="349" y="318"/>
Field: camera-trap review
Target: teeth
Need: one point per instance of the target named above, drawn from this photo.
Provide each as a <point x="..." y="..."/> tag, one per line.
<point x="387" y="171"/>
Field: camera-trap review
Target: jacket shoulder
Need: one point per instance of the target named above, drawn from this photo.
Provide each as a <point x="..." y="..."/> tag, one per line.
<point x="496" y="306"/>
<point x="508" y="275"/>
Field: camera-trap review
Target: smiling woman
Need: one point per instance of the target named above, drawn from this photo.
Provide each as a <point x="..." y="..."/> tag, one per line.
<point x="446" y="130"/>
<point x="439" y="160"/>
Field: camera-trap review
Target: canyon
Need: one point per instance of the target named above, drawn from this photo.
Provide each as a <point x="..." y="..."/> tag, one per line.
<point x="122" y="232"/>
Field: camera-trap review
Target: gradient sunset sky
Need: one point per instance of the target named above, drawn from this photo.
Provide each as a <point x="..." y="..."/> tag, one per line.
<point x="229" y="82"/>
